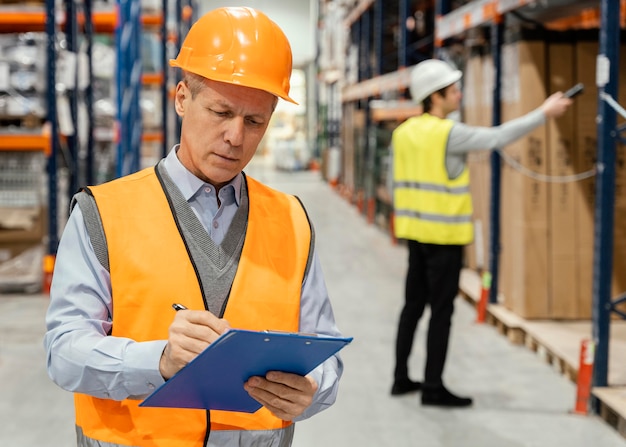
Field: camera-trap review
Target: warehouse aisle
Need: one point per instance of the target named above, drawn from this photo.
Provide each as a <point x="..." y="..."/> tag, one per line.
<point x="519" y="399"/>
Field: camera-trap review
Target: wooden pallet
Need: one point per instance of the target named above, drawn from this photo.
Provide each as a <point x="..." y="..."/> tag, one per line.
<point x="611" y="400"/>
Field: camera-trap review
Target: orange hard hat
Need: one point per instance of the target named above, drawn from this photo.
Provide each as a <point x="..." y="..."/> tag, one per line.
<point x="238" y="45"/>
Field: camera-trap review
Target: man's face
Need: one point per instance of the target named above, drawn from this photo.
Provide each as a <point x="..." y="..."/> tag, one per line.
<point x="221" y="128"/>
<point x="451" y="99"/>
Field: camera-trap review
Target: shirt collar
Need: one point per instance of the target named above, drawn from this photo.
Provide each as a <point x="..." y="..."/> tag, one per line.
<point x="189" y="184"/>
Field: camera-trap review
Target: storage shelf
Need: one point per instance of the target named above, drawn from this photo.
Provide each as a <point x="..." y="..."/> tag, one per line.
<point x="357" y="11"/>
<point x="105" y="21"/>
<point x="15" y="20"/>
<point x="152" y="136"/>
<point x="554" y="14"/>
<point x="394" y="110"/>
<point x="471" y="15"/>
<point x="467" y="16"/>
<point x="389" y="82"/>
<point x="24" y="141"/>
<point x="152" y="78"/>
<point x="151" y="19"/>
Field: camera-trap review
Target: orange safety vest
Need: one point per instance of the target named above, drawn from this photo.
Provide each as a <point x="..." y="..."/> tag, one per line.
<point x="150" y="268"/>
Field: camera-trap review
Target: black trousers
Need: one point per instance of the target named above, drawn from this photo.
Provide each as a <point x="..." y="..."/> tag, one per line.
<point x="433" y="279"/>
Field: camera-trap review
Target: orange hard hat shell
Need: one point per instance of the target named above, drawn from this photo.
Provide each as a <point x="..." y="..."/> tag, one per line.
<point x="238" y="45"/>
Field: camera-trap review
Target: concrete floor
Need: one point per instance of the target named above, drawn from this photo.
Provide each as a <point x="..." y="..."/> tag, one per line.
<point x="520" y="400"/>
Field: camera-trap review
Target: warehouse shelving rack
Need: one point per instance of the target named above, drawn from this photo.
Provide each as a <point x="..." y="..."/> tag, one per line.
<point x="126" y="23"/>
<point x="128" y="81"/>
<point x="566" y="14"/>
<point x="46" y="139"/>
<point x="79" y="22"/>
<point x="483" y="12"/>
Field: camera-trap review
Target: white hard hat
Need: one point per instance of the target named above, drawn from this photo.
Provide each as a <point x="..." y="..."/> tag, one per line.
<point x="430" y="76"/>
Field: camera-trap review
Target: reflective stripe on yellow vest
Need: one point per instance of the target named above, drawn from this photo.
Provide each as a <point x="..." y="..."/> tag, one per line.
<point x="150" y="269"/>
<point x="429" y="207"/>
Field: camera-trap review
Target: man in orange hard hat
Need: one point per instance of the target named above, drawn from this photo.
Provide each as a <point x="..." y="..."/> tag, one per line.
<point x="433" y="213"/>
<point x="194" y="230"/>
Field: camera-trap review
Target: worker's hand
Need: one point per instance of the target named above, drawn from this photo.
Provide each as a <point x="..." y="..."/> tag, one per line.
<point x="189" y="334"/>
<point x="555" y="105"/>
<point x="285" y="395"/>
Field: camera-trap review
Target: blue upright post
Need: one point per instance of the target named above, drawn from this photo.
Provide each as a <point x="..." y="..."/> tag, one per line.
<point x="53" y="239"/>
<point x="128" y="45"/>
<point x="607" y="79"/>
<point x="164" y="85"/>
<point x="89" y="163"/>
<point x="494" y="211"/>
<point x="442" y="7"/>
<point x="378" y="37"/>
<point x="73" y="142"/>
<point x="403" y="14"/>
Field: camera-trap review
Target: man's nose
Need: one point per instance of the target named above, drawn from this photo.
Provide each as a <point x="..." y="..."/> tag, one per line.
<point x="234" y="131"/>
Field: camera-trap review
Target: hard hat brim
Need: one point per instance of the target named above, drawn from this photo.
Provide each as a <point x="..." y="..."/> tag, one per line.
<point x="174" y="63"/>
<point x="443" y="82"/>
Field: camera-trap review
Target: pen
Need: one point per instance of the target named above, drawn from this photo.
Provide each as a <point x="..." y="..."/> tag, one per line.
<point x="178" y="307"/>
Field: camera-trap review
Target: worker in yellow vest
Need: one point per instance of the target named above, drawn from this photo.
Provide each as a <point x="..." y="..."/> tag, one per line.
<point x="433" y="213"/>
<point x="193" y="230"/>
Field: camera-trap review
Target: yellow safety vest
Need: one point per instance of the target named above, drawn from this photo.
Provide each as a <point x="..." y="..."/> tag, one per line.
<point x="429" y="207"/>
<point x="150" y="268"/>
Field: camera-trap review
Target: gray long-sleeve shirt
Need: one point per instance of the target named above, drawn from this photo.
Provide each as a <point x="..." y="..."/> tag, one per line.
<point x="464" y="139"/>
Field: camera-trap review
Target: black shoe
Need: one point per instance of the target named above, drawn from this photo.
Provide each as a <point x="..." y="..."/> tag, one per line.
<point x="405" y="386"/>
<point x="440" y="396"/>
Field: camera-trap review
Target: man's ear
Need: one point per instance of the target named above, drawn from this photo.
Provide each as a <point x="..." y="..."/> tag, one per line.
<point x="181" y="96"/>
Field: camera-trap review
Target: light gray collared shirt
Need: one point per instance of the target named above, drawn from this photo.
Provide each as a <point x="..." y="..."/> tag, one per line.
<point x="83" y="358"/>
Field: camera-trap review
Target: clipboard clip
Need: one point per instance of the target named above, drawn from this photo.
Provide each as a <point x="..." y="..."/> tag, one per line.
<point x="304" y="334"/>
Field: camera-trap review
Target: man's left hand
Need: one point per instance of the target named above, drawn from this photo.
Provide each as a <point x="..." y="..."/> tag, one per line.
<point x="285" y="395"/>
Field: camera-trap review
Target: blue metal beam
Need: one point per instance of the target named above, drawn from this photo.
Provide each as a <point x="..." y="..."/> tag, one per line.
<point x="497" y="31"/>
<point x="442" y="7"/>
<point x="51" y="102"/>
<point x="378" y="37"/>
<point x="164" y="69"/>
<point x="403" y="14"/>
<point x="128" y="47"/>
<point x="89" y="163"/>
<point x="73" y="142"/>
<point x="607" y="80"/>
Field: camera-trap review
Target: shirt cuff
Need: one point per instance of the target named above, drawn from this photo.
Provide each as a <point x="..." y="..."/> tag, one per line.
<point x="141" y="367"/>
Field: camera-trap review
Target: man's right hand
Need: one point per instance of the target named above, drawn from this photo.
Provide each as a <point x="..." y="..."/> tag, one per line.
<point x="555" y="105"/>
<point x="189" y="334"/>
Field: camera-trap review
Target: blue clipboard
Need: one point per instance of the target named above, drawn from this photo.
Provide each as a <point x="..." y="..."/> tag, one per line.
<point x="214" y="379"/>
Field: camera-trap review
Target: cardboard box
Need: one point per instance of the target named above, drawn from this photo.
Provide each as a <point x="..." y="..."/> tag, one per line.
<point x="472" y="84"/>
<point x="23" y="224"/>
<point x="477" y="112"/>
<point x="585" y="144"/>
<point x="21" y="266"/>
<point x="524" y="210"/>
<point x="563" y="285"/>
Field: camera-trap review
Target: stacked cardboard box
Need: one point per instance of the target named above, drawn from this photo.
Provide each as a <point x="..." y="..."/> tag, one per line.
<point x="585" y="149"/>
<point x="563" y="290"/>
<point x="547" y="227"/>
<point x="524" y="276"/>
<point x="477" y="92"/>
<point x="22" y="220"/>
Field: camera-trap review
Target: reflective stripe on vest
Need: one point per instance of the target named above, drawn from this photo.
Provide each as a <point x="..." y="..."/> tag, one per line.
<point x="429" y="207"/>
<point x="150" y="268"/>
